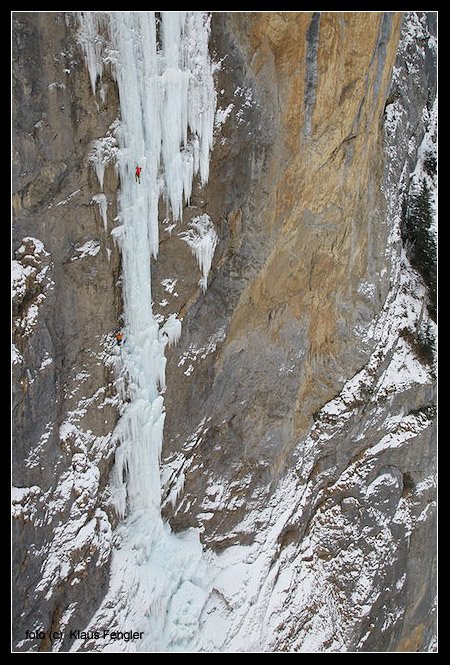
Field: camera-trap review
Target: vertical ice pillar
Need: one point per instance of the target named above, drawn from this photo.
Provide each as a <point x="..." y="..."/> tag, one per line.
<point x="167" y="105"/>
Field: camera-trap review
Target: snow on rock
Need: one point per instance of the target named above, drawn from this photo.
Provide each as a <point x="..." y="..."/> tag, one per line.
<point x="89" y="248"/>
<point x="30" y="282"/>
<point x="222" y="115"/>
<point x="195" y="355"/>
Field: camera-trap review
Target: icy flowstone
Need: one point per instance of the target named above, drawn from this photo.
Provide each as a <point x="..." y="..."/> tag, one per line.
<point x="167" y="101"/>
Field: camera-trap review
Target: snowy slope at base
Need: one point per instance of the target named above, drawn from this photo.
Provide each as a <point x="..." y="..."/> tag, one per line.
<point x="328" y="582"/>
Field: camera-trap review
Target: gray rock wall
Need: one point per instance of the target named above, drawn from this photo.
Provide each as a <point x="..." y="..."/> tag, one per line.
<point x="66" y="310"/>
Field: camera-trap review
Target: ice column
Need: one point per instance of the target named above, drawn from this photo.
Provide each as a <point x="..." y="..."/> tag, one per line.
<point x="167" y="105"/>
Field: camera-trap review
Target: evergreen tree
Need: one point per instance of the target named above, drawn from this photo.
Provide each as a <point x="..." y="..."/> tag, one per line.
<point x="420" y="242"/>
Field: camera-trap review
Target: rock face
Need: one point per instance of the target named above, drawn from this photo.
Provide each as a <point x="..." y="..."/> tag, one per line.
<point x="307" y="235"/>
<point x="66" y="309"/>
<point x="300" y="399"/>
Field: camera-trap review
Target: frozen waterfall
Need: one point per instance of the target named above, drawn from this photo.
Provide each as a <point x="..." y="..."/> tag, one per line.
<point x="167" y="103"/>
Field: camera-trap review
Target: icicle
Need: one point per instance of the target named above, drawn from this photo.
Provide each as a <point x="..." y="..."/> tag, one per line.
<point x="202" y="239"/>
<point x="104" y="151"/>
<point x="102" y="202"/>
<point x="92" y="44"/>
<point x="170" y="333"/>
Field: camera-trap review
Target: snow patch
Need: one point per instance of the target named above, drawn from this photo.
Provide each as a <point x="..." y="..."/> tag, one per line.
<point x="194" y="354"/>
<point x="89" y="248"/>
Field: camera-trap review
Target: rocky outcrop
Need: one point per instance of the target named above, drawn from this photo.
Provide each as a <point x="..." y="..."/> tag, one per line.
<point x="299" y="432"/>
<point x="66" y="310"/>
